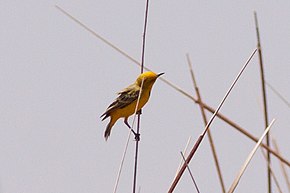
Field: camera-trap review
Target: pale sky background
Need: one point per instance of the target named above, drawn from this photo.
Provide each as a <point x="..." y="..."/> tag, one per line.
<point x="57" y="79"/>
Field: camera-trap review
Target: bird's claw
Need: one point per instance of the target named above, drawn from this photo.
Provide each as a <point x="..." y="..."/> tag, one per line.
<point x="137" y="137"/>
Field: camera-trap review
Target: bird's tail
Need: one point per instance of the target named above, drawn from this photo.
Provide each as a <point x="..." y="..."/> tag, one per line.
<point x="108" y="130"/>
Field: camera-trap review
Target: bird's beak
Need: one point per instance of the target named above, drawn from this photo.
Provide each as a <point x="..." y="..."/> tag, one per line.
<point x="160" y="74"/>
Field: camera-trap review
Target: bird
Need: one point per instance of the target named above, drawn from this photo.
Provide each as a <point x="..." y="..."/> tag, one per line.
<point x="125" y="104"/>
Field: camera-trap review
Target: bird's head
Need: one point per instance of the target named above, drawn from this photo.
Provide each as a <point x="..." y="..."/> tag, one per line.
<point x="148" y="78"/>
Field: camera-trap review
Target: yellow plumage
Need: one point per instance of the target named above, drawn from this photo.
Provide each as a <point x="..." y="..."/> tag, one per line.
<point x="125" y="105"/>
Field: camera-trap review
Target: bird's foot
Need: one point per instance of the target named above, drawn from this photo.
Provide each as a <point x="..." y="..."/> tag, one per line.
<point x="137" y="135"/>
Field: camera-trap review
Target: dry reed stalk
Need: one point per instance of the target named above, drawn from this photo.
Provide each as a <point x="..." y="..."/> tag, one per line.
<point x="249" y="158"/>
<point x="190" y="173"/>
<point x="184" y="153"/>
<point x="213" y="150"/>
<point x="139" y="114"/>
<point x="282" y="165"/>
<point x="264" y="100"/>
<point x="136" y="152"/>
<point x="207" y="107"/>
<point x="196" y="145"/>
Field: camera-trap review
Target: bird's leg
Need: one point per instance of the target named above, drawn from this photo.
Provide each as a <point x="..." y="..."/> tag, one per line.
<point x="126" y="122"/>
<point x="137" y="135"/>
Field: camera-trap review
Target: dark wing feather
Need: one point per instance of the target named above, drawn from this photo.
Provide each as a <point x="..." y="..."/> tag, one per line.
<point x="126" y="97"/>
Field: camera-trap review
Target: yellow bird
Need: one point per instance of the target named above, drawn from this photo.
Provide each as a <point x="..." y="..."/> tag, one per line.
<point x="125" y="105"/>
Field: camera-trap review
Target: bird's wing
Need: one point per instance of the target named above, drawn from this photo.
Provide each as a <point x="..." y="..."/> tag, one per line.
<point x="126" y="97"/>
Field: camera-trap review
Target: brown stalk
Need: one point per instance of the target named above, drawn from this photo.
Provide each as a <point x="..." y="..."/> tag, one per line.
<point x="264" y="100"/>
<point x="205" y="123"/>
<point x="139" y="114"/>
<point x="190" y="173"/>
<point x="196" y="145"/>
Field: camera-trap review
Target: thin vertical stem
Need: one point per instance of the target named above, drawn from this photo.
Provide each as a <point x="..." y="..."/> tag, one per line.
<point x="264" y="100"/>
<point x="144" y="36"/>
<point x="139" y="113"/>
<point x="205" y="122"/>
<point x="136" y="155"/>
<point x="137" y="137"/>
